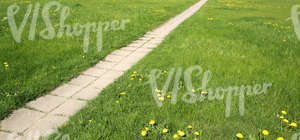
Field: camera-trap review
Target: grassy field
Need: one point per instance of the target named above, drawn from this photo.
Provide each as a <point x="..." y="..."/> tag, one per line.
<point x="33" y="67"/>
<point x="242" y="42"/>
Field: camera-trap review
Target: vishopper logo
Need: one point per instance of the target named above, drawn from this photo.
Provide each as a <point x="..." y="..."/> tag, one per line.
<point x="190" y="95"/>
<point x="295" y="19"/>
<point x="49" y="32"/>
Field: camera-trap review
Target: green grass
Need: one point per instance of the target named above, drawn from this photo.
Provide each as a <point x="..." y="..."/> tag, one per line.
<point x="35" y="67"/>
<point x="242" y="43"/>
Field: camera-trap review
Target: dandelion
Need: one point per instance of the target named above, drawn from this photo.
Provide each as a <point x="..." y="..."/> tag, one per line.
<point x="122" y="93"/>
<point x="281" y="117"/>
<point x="204" y="92"/>
<point x="190" y="126"/>
<point x="157" y="90"/>
<point x="165" y="130"/>
<point x="197" y="133"/>
<point x="147" y="128"/>
<point x="195" y="139"/>
<point x="293" y="124"/>
<point x="239" y="135"/>
<point x="193" y="90"/>
<point x="90" y="121"/>
<point x="5" y="65"/>
<point x="161" y="98"/>
<point x="283" y="112"/>
<point x="169" y="96"/>
<point x="135" y="72"/>
<point x="285" y="120"/>
<point x="144" y="133"/>
<point x="181" y="133"/>
<point x="280" y="138"/>
<point x="140" y="79"/>
<point x="158" y="95"/>
<point x="265" y="132"/>
<point x="175" y="136"/>
<point x="152" y="122"/>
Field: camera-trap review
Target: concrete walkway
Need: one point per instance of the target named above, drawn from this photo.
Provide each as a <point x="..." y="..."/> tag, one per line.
<point x="47" y="113"/>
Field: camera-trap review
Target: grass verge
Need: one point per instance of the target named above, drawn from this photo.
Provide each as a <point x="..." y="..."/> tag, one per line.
<point x="242" y="42"/>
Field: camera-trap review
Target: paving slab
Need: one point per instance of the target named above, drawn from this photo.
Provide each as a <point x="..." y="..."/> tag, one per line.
<point x="113" y="58"/>
<point x="46" y="103"/>
<point x="129" y="48"/>
<point x="87" y="93"/>
<point x="68" y="108"/>
<point x="105" y="65"/>
<point x="66" y="90"/>
<point x="121" y="52"/>
<point x="20" y="120"/>
<point x="107" y="79"/>
<point x="7" y="136"/>
<point x="94" y="71"/>
<point x="45" y="126"/>
<point x="123" y="66"/>
<point x="82" y="80"/>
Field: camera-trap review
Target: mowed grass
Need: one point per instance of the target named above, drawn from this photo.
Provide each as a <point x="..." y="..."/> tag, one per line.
<point x="242" y="42"/>
<point x="32" y="68"/>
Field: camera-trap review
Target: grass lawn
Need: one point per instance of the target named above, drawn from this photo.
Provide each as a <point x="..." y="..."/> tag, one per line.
<point x="32" y="68"/>
<point x="242" y="42"/>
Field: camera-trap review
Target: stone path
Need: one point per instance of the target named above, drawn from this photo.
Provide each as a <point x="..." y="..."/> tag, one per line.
<point x="47" y="113"/>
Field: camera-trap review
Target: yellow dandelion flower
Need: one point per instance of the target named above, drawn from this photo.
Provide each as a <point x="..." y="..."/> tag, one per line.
<point x="281" y="117"/>
<point x="193" y="90"/>
<point x="165" y="130"/>
<point x="147" y="128"/>
<point x="144" y="133"/>
<point x="157" y="90"/>
<point x="285" y="120"/>
<point x="181" y="133"/>
<point x="283" y="112"/>
<point x="152" y="122"/>
<point x="123" y="93"/>
<point x="158" y="95"/>
<point x="265" y="132"/>
<point x="280" y="138"/>
<point x="195" y="139"/>
<point x="293" y="124"/>
<point x="140" y="79"/>
<point x="197" y="133"/>
<point x="169" y="96"/>
<point x="204" y="92"/>
<point x="90" y="121"/>
<point x="190" y="126"/>
<point x="175" y="136"/>
<point x="161" y="98"/>
<point x="239" y="135"/>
